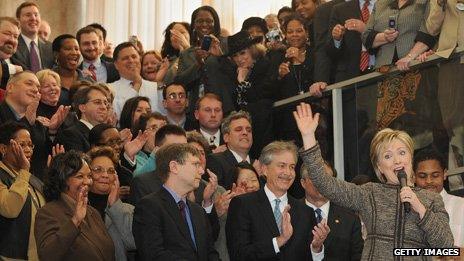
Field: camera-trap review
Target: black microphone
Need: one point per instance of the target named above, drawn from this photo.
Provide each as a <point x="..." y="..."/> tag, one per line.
<point x="403" y="182"/>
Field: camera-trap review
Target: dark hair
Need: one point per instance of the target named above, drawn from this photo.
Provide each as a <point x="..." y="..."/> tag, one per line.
<point x="9" y="129"/>
<point x="122" y="46"/>
<point x="295" y="17"/>
<point x="75" y="87"/>
<point x="196" y="137"/>
<point x="317" y="2"/>
<point x="62" y="167"/>
<point x="167" y="49"/>
<point x="85" y="30"/>
<point x="208" y="95"/>
<point x="429" y="154"/>
<point x="127" y="113"/>
<point x="24" y="5"/>
<point x="141" y="124"/>
<point x="81" y="96"/>
<point x="58" y="41"/>
<point x="169" y="85"/>
<point x="103" y="151"/>
<point x="239" y="167"/>
<point x="168" y="129"/>
<point x="95" y="134"/>
<point x="99" y="27"/>
<point x="172" y="152"/>
<point x="283" y="10"/>
<point x="217" y="24"/>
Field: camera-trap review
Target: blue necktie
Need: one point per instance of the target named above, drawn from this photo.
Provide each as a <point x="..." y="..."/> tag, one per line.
<point x="318" y="215"/>
<point x="278" y="214"/>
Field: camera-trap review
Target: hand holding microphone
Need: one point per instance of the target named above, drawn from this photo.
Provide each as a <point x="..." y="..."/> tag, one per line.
<point x="408" y="197"/>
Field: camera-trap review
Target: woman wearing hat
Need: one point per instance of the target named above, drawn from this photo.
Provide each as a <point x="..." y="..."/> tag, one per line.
<point x="244" y="80"/>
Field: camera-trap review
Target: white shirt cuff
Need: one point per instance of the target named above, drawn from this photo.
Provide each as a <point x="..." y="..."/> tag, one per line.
<point x="276" y="247"/>
<point x="337" y="44"/>
<point x="317" y="256"/>
<point x="207" y="209"/>
<point x="11" y="69"/>
<point x="131" y="162"/>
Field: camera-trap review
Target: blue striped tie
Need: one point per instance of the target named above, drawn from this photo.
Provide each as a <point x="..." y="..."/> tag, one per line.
<point x="318" y="215"/>
<point x="278" y="214"/>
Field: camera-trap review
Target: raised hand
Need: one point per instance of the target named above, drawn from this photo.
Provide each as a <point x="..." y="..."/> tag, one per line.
<point x="126" y="135"/>
<point x="287" y="228"/>
<point x="316" y="88"/>
<point x="114" y="191"/>
<point x="320" y="232"/>
<point x="220" y="148"/>
<point x="407" y="195"/>
<point x="210" y="188"/>
<point x="355" y="25"/>
<point x="307" y="124"/>
<point x="81" y="207"/>
<point x="57" y="149"/>
<point x="338" y="31"/>
<point x="221" y="204"/>
<point x="238" y="190"/>
<point x="58" y="118"/>
<point x="215" y="48"/>
<point x="284" y="69"/>
<point x="134" y="146"/>
<point x="20" y="157"/>
<point x="242" y="73"/>
<point x="31" y="110"/>
<point x="258" y="167"/>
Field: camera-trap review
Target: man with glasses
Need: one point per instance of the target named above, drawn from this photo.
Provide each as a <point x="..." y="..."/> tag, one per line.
<point x="127" y="63"/>
<point x="166" y="225"/>
<point x="91" y="106"/>
<point x="175" y="102"/>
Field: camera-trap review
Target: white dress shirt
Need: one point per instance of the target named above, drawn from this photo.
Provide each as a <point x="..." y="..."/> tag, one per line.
<point x="28" y="41"/>
<point x="455" y="207"/>
<point x="324" y="208"/>
<point x="217" y="137"/>
<point x="123" y="91"/>
<point x="100" y="69"/>
<point x="240" y="159"/>
<point x="283" y="203"/>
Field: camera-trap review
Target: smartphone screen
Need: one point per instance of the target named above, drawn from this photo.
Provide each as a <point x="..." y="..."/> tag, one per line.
<point x="392" y="22"/>
<point x="206" y="42"/>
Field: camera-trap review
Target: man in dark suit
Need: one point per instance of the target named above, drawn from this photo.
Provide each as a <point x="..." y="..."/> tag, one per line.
<point x="269" y="224"/>
<point x="146" y="180"/>
<point x="175" y="102"/>
<point x="344" y="46"/>
<point x="344" y="241"/>
<point x="41" y="54"/>
<point x="89" y="44"/>
<point x="166" y="225"/>
<point x="91" y="106"/>
<point x="237" y="132"/>
<point x="323" y="69"/>
<point x="209" y="114"/>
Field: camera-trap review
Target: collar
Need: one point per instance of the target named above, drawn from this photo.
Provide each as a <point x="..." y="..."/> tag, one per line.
<point x="271" y="197"/>
<point x="8" y="170"/>
<point x="28" y="41"/>
<point x="325" y="208"/>
<point x="86" y="123"/>
<point x="174" y="195"/>
<point x="97" y="63"/>
<point x="205" y="134"/>
<point x="125" y="81"/>
<point x="443" y="193"/>
<point x="17" y="116"/>
<point x="181" y="123"/>
<point x="238" y="158"/>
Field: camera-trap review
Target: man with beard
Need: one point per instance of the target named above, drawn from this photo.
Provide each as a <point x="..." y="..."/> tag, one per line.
<point x="91" y="105"/>
<point x="430" y="173"/>
<point x="89" y="44"/>
<point x="175" y="102"/>
<point x="9" y="33"/>
<point x="33" y="53"/>
<point x="166" y="225"/>
<point x="127" y="62"/>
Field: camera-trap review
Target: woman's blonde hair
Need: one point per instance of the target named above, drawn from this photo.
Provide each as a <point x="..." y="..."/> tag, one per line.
<point x="42" y="75"/>
<point x="380" y="141"/>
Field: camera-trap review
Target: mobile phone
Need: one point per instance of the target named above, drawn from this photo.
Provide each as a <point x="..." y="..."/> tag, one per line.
<point x="206" y="42"/>
<point x="392" y="22"/>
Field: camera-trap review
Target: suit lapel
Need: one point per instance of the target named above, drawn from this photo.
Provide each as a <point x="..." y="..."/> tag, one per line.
<point x="196" y="222"/>
<point x="230" y="157"/>
<point x="332" y="216"/>
<point x="267" y="213"/>
<point x="173" y="210"/>
<point x="23" y="51"/>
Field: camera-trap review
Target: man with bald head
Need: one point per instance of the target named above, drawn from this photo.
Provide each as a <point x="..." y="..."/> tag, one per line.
<point x="9" y="33"/>
<point x="33" y="53"/>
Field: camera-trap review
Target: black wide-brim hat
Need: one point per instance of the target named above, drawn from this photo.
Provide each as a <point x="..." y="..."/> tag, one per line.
<point x="240" y="41"/>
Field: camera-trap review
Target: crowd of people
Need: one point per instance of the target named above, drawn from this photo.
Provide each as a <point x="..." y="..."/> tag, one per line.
<point x="177" y="154"/>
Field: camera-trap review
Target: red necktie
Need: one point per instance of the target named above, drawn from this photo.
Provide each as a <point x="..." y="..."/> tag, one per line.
<point x="364" y="61"/>
<point x="93" y="72"/>
<point x="34" y="58"/>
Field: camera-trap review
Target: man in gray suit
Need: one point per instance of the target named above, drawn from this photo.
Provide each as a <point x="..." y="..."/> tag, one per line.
<point x="33" y="53"/>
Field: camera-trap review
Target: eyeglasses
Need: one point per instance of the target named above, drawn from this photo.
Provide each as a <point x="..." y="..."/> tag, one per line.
<point x="174" y="96"/>
<point x="201" y="21"/>
<point x="25" y="145"/>
<point x="100" y="170"/>
<point x="99" y="102"/>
